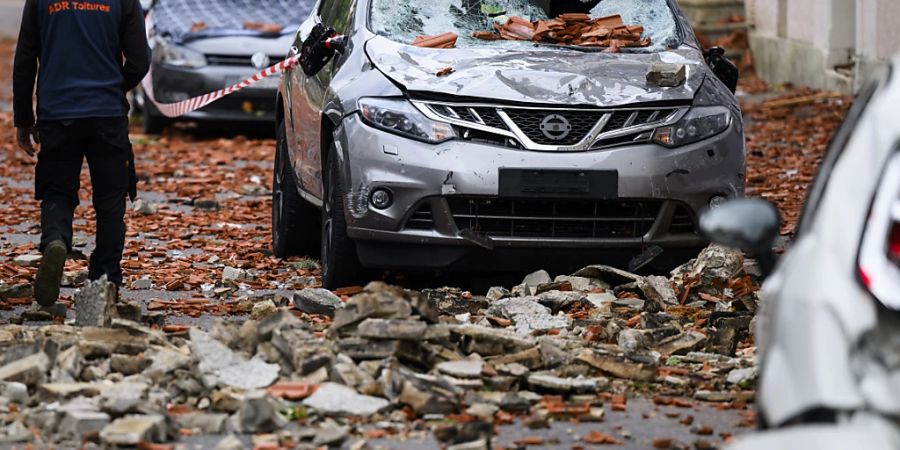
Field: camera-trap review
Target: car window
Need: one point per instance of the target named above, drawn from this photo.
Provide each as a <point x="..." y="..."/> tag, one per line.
<point x="835" y="150"/>
<point x="337" y="14"/>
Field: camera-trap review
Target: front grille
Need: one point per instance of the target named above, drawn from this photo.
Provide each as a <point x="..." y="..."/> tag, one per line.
<point x="619" y="126"/>
<point x="491" y="118"/>
<point x="421" y="219"/>
<point x="682" y="222"/>
<point x="235" y="60"/>
<point x="555" y="218"/>
<point x="478" y="115"/>
<point x="529" y="121"/>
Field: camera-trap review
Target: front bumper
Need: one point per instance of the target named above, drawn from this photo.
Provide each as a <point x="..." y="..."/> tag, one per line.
<point x="671" y="185"/>
<point x="255" y="103"/>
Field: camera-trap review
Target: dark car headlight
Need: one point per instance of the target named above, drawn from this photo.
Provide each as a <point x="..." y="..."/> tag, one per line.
<point x="400" y="117"/>
<point x="178" y="56"/>
<point x="700" y="122"/>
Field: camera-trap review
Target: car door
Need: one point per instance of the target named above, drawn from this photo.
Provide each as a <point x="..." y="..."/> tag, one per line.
<point x="310" y="98"/>
<point x="294" y="95"/>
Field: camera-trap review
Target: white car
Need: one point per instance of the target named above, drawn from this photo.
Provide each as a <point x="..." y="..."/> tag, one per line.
<point x="828" y="334"/>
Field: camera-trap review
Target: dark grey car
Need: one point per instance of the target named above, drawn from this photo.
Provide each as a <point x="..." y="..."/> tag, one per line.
<point x="201" y="46"/>
<point x="524" y="156"/>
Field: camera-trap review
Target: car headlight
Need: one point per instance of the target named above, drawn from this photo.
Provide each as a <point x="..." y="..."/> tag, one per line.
<point x="399" y="116"/>
<point x="178" y="56"/>
<point x="699" y="123"/>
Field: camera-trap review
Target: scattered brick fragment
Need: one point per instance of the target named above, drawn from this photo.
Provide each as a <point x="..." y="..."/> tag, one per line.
<point x="570" y="29"/>
<point x="444" y="40"/>
<point x="600" y="438"/>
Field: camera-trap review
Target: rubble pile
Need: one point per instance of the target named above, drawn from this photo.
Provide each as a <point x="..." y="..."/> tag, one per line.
<point x="392" y="360"/>
<point x="570" y="29"/>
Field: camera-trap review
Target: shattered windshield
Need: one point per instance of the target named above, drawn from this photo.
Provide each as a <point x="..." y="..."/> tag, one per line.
<point x="183" y="20"/>
<point x="640" y="25"/>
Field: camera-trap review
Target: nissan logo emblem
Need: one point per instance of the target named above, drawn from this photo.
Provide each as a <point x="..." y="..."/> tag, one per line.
<point x="556" y="127"/>
<point x="260" y="60"/>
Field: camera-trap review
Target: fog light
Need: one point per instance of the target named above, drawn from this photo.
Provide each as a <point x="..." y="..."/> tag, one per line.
<point x="717" y="201"/>
<point x="381" y="198"/>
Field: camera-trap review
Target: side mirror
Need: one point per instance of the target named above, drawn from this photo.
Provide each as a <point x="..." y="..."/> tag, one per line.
<point x="724" y="69"/>
<point x="748" y="224"/>
<point x="319" y="47"/>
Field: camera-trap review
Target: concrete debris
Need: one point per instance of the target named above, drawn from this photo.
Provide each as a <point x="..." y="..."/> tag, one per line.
<point x="317" y="301"/>
<point x="29" y="370"/>
<point x="221" y="366"/>
<point x="466" y="368"/>
<point x="566" y="385"/>
<point x="667" y="75"/>
<point x="742" y="376"/>
<point x="338" y="400"/>
<point x="133" y="430"/>
<point x="259" y="413"/>
<point x="95" y="303"/>
<point x="203" y="423"/>
<point x="717" y="263"/>
<point x="230" y="442"/>
<point x="72" y="278"/>
<point x="528" y="315"/>
<point x="75" y="425"/>
<point x="263" y="309"/>
<point x="144" y="207"/>
<point x="547" y="349"/>
<point x="30" y="260"/>
<point x="234" y="274"/>
<point x="412" y="330"/>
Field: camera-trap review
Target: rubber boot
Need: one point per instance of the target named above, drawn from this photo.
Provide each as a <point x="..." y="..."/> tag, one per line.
<point x="46" y="284"/>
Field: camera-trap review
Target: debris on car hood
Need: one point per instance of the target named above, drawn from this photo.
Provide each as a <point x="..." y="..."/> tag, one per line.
<point x="540" y="75"/>
<point x="571" y="29"/>
<point x="560" y="348"/>
<point x="443" y="40"/>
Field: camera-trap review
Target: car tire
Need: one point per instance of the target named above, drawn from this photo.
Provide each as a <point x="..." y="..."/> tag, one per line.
<point x="295" y="222"/>
<point x="339" y="261"/>
<point x="154" y="121"/>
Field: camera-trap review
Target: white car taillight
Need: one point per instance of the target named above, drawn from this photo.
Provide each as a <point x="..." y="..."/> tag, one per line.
<point x="879" y="253"/>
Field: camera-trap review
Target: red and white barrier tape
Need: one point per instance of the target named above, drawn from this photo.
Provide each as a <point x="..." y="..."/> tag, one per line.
<point x="192" y="104"/>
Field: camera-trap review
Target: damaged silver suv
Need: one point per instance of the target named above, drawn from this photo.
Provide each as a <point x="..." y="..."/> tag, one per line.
<point x="513" y="134"/>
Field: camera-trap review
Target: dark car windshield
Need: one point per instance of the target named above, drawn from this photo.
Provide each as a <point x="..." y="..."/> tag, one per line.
<point x="404" y="21"/>
<point x="183" y="20"/>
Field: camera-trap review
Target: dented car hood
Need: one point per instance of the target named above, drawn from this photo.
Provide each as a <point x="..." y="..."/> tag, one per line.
<point x="540" y="75"/>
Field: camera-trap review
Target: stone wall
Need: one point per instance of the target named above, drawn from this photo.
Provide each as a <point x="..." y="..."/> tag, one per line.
<point x="829" y="44"/>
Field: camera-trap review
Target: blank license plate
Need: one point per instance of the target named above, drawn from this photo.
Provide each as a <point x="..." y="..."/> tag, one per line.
<point x="523" y="183"/>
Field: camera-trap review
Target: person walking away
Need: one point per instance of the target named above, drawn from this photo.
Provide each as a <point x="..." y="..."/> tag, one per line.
<point x="86" y="55"/>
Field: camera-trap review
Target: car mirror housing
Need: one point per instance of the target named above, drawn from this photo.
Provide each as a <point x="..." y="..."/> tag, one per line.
<point x="721" y="67"/>
<point x="319" y="48"/>
<point x="747" y="224"/>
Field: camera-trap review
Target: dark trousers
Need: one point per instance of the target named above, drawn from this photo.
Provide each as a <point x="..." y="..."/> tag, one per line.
<point x="64" y="146"/>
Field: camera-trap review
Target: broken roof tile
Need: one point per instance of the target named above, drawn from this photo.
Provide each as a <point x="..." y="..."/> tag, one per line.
<point x="570" y="29"/>
<point x="444" y="40"/>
